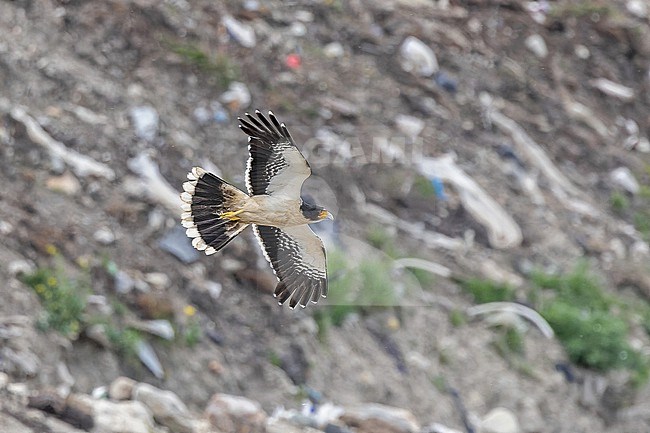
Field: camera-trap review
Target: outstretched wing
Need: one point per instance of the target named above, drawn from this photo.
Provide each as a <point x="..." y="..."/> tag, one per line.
<point x="275" y="165"/>
<point x="297" y="257"/>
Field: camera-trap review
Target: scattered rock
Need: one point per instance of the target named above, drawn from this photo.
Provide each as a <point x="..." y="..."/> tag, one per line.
<point x="179" y="245"/>
<point x="145" y="122"/>
<point x="4" y="380"/>
<point x="623" y="178"/>
<point x="104" y="236"/>
<point x="123" y="283"/>
<point x="611" y="88"/>
<point x="233" y="414"/>
<point x="417" y="57"/>
<point x="148" y="356"/>
<point x="378" y="418"/>
<point x="333" y="50"/>
<point x="237" y="97"/>
<point x="161" y="327"/>
<point x="66" y="183"/>
<point x="409" y="125"/>
<point x="167" y="407"/>
<point x="159" y="280"/>
<point x="121" y="417"/>
<point x="21" y="363"/>
<point x="537" y="45"/>
<point x="241" y="33"/>
<point x="20" y="267"/>
<point x="500" y="420"/>
<point x="121" y="388"/>
<point x="638" y="8"/>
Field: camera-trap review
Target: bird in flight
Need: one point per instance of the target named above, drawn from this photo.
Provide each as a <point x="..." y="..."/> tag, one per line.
<point x="215" y="212"/>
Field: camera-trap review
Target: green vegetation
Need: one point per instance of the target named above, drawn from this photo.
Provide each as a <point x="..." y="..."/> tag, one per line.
<point x="124" y="341"/>
<point x="619" y="202"/>
<point x="642" y="223"/>
<point x="192" y="333"/>
<point x="581" y="9"/>
<point x="585" y="320"/>
<point x="456" y="318"/>
<point x="220" y="67"/>
<point x="485" y="291"/>
<point x="353" y="289"/>
<point x="423" y="186"/>
<point x="378" y="237"/>
<point x="62" y="298"/>
<point x="592" y="325"/>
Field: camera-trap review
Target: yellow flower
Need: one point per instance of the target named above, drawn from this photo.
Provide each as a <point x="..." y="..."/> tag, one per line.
<point x="51" y="249"/>
<point x="83" y="262"/>
<point x="189" y="310"/>
<point x="51" y="281"/>
<point x="40" y="288"/>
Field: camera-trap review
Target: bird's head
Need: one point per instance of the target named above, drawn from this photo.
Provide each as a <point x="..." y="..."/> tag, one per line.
<point x="314" y="213"/>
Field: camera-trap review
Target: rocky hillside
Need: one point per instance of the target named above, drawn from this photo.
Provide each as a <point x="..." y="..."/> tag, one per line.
<point x="487" y="162"/>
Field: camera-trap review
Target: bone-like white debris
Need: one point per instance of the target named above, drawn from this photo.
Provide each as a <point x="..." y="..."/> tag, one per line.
<point x="511" y="307"/>
<point x="425" y="265"/>
<point x="81" y="164"/>
<point x="611" y="88"/>
<point x="155" y="186"/>
<point x="503" y="231"/>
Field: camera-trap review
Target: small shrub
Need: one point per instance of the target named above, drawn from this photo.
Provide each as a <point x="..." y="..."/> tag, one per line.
<point x="62" y="298"/>
<point x="220" y="67"/>
<point x="352" y="289"/>
<point x="485" y="291"/>
<point x="456" y="318"/>
<point x="619" y="202"/>
<point x="124" y="340"/>
<point x="581" y="315"/>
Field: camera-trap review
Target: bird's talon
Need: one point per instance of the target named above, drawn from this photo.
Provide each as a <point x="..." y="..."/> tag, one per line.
<point x="232" y="215"/>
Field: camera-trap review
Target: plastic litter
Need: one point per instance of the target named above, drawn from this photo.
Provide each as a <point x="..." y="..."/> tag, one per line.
<point x="293" y="61"/>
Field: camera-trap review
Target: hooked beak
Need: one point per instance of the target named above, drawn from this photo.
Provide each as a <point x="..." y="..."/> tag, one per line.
<point x="325" y="215"/>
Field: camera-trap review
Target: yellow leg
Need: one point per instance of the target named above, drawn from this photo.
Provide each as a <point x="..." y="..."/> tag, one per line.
<point x="232" y="215"/>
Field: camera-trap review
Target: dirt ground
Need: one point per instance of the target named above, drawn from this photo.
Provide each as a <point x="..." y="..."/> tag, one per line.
<point x="78" y="74"/>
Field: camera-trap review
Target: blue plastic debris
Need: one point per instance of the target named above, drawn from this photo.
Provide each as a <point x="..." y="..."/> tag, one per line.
<point x="439" y="188"/>
<point x="446" y="82"/>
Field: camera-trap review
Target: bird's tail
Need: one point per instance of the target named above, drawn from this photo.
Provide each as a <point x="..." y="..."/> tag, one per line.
<point x="210" y="208"/>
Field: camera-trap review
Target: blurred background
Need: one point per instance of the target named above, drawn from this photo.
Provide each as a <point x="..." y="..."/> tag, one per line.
<point x="487" y="162"/>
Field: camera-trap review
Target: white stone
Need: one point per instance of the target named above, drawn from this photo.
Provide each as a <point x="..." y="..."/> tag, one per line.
<point x="638" y="8"/>
<point x="242" y="33"/>
<point x="231" y="413"/>
<point x="500" y="420"/>
<point x="371" y="416"/>
<point x="623" y="177"/>
<point x="121" y="388"/>
<point x="145" y="122"/>
<point x="409" y="125"/>
<point x="104" y="236"/>
<point x="333" y="50"/>
<point x="237" y="96"/>
<point x="582" y="52"/>
<point x="167" y="407"/>
<point x="537" y="45"/>
<point x="417" y="57"/>
<point x="122" y="417"/>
